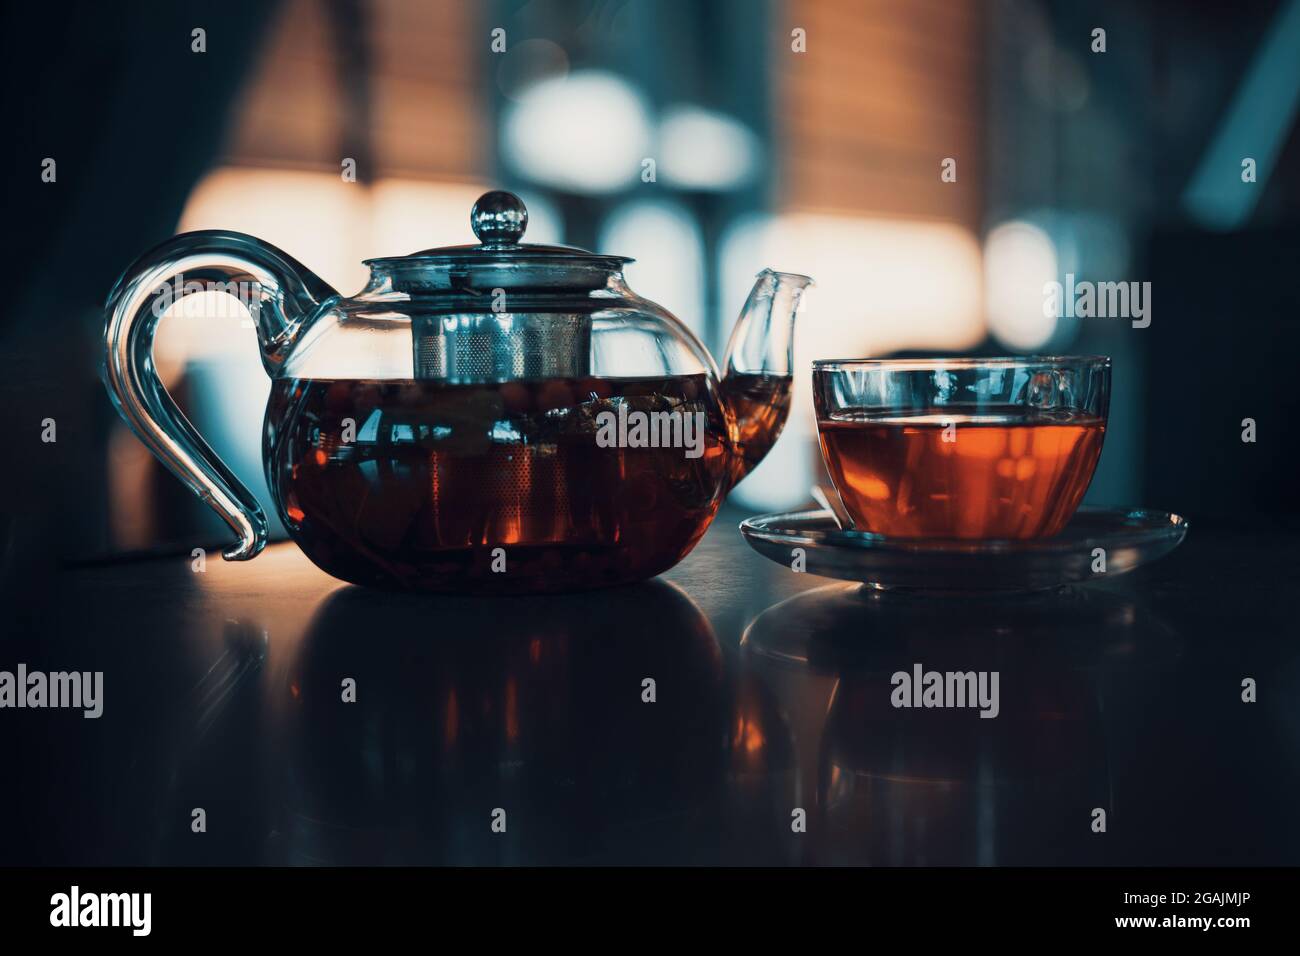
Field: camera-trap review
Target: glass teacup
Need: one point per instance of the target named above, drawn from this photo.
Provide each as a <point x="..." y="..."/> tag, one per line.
<point x="962" y="447"/>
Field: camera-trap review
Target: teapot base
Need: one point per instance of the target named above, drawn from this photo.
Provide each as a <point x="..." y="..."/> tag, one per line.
<point x="536" y="569"/>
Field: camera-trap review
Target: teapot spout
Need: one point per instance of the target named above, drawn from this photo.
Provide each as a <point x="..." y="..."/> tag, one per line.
<point x="758" y="367"/>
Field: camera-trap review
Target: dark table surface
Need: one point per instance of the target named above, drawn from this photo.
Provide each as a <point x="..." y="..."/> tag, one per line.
<point x="223" y="691"/>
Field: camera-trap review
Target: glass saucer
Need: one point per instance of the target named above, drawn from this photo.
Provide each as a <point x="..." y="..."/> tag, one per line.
<point x="1128" y="538"/>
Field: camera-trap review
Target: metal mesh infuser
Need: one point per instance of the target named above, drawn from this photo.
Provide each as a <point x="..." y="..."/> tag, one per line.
<point x="501" y="346"/>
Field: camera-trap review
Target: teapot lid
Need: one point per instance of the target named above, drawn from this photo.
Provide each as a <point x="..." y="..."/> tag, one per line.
<point x="499" y="259"/>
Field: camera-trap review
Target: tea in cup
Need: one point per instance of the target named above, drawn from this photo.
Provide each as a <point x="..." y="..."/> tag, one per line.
<point x="962" y="447"/>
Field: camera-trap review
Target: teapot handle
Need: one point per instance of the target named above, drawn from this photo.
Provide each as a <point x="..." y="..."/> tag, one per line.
<point x="280" y="294"/>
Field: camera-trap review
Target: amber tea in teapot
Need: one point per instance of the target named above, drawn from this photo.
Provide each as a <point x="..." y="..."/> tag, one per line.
<point x="419" y="483"/>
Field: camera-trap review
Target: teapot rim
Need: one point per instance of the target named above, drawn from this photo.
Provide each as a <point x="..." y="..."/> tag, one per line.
<point x="485" y="256"/>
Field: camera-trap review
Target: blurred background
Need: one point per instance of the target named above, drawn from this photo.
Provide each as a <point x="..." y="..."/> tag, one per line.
<point x="807" y="135"/>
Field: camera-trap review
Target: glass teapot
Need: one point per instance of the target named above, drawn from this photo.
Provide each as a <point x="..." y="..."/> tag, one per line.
<point x="490" y="417"/>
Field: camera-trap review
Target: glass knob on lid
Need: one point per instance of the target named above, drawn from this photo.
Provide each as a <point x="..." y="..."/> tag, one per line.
<point x="500" y="259"/>
<point x="499" y="218"/>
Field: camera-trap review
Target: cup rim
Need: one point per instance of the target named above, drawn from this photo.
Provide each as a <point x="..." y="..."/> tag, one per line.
<point x="961" y="362"/>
